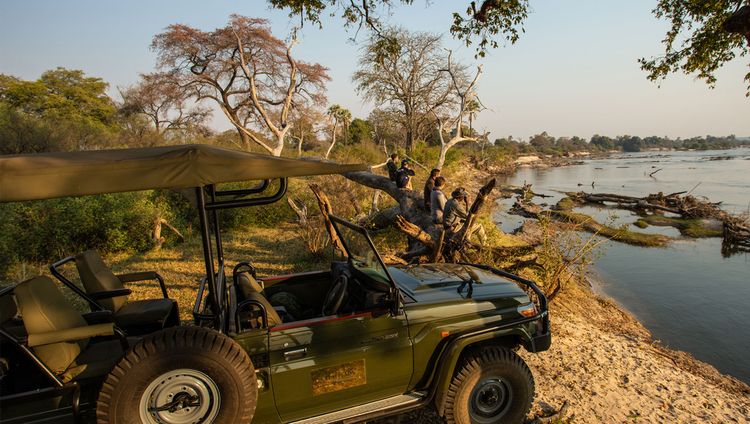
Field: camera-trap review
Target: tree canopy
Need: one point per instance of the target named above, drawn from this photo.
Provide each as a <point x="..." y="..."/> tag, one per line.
<point x="703" y="35"/>
<point x="247" y="71"/>
<point x="62" y="110"/>
<point x="701" y="38"/>
<point x="61" y="94"/>
<point x="410" y="81"/>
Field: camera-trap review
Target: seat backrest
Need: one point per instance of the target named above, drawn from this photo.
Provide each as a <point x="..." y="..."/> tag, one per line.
<point x="273" y="316"/>
<point x="247" y="284"/>
<point x="97" y="277"/>
<point x="44" y="309"/>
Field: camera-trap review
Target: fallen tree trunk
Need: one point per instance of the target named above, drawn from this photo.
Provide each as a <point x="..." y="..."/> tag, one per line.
<point x="326" y="211"/>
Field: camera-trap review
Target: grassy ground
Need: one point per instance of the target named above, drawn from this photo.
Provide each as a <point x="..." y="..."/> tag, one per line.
<point x="272" y="251"/>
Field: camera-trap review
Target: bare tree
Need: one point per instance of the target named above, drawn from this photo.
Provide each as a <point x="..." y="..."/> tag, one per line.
<point x="337" y="115"/>
<point x="164" y="103"/>
<point x="407" y="80"/>
<point x="465" y="99"/>
<point x="248" y="72"/>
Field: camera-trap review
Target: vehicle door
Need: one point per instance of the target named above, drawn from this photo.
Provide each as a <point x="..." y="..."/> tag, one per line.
<point x="334" y="362"/>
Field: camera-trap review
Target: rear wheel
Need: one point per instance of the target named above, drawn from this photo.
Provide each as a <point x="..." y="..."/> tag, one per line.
<point x="492" y="385"/>
<point x="180" y="376"/>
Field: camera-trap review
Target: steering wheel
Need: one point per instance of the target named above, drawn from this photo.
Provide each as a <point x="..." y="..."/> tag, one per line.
<point x="336" y="296"/>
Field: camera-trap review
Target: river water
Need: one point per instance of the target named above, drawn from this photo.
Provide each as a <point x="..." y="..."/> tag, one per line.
<point x="688" y="295"/>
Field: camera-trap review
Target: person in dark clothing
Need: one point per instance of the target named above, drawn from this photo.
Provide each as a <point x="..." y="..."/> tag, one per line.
<point x="428" y="186"/>
<point x="392" y="167"/>
<point x="404" y="174"/>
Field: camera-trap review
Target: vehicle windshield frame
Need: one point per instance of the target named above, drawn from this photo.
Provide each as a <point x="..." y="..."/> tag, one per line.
<point x="336" y="221"/>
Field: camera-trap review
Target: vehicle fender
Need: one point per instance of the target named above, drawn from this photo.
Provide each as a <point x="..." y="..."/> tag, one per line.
<point x="448" y="362"/>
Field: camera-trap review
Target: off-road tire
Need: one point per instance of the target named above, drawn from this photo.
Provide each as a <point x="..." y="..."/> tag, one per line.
<point x="198" y="350"/>
<point x="487" y="369"/>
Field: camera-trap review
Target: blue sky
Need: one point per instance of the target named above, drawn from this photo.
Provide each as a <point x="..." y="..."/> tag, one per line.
<point x="574" y="72"/>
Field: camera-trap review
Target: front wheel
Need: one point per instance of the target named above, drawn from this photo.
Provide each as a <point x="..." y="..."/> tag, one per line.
<point x="180" y="375"/>
<point x="492" y="385"/>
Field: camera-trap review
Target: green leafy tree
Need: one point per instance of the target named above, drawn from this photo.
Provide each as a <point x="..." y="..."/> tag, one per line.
<point x="62" y="110"/>
<point x="64" y="94"/>
<point x="360" y="131"/>
<point x="703" y="36"/>
<point x="602" y="142"/>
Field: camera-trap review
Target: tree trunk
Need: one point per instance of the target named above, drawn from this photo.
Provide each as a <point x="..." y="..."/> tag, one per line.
<point x="409" y="140"/>
<point x="333" y="142"/>
<point x="326" y="210"/>
<point x="441" y="159"/>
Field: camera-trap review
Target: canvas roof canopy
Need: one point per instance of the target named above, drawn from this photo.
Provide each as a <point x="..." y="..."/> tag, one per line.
<point x="50" y="175"/>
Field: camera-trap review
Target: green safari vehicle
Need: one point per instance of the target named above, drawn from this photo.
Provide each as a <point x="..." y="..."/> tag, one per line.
<point x="352" y="343"/>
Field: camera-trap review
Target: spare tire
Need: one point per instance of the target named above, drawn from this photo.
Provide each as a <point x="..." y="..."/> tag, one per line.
<point x="180" y="375"/>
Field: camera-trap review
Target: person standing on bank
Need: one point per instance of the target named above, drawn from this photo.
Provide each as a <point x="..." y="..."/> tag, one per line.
<point x="404" y="174"/>
<point x="392" y="167"/>
<point x="428" y="186"/>
<point x="437" y="201"/>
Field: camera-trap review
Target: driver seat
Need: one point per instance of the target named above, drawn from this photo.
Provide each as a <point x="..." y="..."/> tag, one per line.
<point x="248" y="288"/>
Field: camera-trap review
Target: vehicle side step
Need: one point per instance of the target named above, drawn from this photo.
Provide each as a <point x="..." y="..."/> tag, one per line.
<point x="368" y="410"/>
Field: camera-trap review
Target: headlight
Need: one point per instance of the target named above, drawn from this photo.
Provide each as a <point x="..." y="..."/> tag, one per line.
<point x="528" y="310"/>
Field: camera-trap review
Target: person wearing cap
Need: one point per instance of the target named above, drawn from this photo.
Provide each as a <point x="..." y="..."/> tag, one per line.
<point x="437" y="201"/>
<point x="392" y="167"/>
<point x="428" y="186"/>
<point x="404" y="174"/>
<point x="455" y="215"/>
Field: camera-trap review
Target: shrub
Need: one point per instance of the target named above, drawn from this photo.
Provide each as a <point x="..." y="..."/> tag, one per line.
<point x="47" y="230"/>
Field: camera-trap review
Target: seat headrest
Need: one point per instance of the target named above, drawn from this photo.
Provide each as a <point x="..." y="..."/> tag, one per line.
<point x="247" y="283"/>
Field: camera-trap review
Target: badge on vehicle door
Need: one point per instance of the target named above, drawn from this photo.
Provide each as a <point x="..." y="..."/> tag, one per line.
<point x="338" y="377"/>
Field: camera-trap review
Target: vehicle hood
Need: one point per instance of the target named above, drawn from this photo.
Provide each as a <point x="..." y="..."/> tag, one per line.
<point x="428" y="283"/>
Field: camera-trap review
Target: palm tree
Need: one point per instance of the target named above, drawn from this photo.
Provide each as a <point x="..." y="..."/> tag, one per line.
<point x="337" y="114"/>
<point x="472" y="108"/>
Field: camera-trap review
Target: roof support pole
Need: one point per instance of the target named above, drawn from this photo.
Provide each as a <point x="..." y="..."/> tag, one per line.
<point x="208" y="256"/>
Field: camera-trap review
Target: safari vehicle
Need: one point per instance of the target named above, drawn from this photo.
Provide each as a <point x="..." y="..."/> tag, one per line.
<point x="351" y="343"/>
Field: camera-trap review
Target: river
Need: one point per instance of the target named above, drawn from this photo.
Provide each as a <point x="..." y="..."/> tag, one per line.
<point x="688" y="295"/>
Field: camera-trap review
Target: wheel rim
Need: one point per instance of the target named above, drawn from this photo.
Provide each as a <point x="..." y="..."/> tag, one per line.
<point x="183" y="396"/>
<point x="490" y="399"/>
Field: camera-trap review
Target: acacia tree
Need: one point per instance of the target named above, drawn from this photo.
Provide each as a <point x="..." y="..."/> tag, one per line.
<point x="408" y="81"/>
<point x="337" y="114"/>
<point x="165" y="104"/>
<point x="249" y="73"/>
<point x="464" y="98"/>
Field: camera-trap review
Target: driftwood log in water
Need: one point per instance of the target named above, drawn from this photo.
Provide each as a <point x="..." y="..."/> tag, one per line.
<point x="736" y="230"/>
<point x="687" y="206"/>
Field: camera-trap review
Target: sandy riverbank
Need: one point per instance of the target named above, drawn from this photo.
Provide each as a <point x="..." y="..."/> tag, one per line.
<point x="606" y="367"/>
